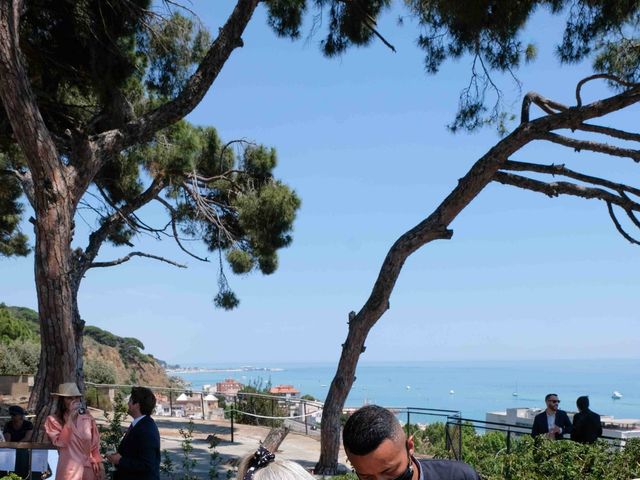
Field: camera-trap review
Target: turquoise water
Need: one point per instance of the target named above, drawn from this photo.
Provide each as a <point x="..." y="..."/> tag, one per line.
<point x="479" y="386"/>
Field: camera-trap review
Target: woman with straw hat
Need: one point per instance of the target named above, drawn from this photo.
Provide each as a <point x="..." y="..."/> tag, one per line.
<point x="75" y="434"/>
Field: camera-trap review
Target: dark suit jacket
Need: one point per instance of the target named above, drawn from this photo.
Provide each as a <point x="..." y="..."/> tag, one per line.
<point x="540" y="426"/>
<point x="140" y="450"/>
<point x="587" y="427"/>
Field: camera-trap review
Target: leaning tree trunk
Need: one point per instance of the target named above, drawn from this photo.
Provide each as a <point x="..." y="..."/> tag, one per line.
<point x="337" y="396"/>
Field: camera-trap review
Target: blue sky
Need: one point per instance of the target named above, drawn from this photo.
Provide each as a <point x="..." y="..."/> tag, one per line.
<point x="362" y="140"/>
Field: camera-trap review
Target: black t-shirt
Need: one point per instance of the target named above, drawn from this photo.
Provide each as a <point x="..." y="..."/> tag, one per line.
<point x="446" y="470"/>
<point x="17" y="434"/>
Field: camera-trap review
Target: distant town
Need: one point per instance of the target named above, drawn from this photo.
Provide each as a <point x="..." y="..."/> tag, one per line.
<point x="179" y="369"/>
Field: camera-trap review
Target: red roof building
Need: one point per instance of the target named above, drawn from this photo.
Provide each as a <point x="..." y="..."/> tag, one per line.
<point x="284" y="390"/>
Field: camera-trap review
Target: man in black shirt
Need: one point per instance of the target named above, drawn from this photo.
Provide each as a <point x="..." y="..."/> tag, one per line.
<point x="587" y="426"/>
<point x="378" y="449"/>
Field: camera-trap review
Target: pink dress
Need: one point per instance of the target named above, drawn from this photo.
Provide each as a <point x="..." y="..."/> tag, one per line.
<point x="79" y="447"/>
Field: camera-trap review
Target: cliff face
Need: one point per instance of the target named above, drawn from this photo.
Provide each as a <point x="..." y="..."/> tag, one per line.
<point x="145" y="370"/>
<point x="108" y="358"/>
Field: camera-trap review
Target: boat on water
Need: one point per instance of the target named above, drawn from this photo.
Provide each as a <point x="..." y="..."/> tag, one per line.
<point x="451" y="392"/>
<point x="616" y="395"/>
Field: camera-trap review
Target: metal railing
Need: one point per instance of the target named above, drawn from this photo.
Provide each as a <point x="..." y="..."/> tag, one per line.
<point x="511" y="431"/>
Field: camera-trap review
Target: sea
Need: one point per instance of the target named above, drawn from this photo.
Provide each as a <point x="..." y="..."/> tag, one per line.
<point x="471" y="387"/>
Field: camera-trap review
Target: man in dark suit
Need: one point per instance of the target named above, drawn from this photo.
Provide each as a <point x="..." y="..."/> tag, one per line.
<point x="587" y="426"/>
<point x="138" y="456"/>
<point x="553" y="422"/>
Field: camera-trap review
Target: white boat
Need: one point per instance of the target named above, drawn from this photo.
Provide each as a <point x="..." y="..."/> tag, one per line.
<point x="451" y="392"/>
<point x="408" y="387"/>
<point x="515" y="394"/>
<point x="616" y="395"/>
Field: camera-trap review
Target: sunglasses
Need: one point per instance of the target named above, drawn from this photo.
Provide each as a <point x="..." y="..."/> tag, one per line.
<point x="554" y="401"/>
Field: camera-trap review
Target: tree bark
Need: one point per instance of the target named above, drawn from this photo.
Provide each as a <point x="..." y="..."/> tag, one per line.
<point x="60" y="324"/>
<point x="274" y="438"/>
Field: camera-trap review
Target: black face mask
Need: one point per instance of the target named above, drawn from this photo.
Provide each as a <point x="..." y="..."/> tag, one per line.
<point x="408" y="473"/>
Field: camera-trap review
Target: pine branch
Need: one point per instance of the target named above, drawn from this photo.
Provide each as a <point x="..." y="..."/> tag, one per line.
<point x="176" y="237"/>
<point x="612" y="132"/>
<point x="143" y="128"/>
<point x="554" y="169"/>
<point x="597" y="76"/>
<point x="554" y="189"/>
<point x="621" y="230"/>
<point x="135" y="254"/>
<point x="97" y="238"/>
<point x="592" y="146"/>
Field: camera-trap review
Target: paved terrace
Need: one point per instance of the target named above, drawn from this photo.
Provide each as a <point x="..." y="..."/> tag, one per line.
<point x="296" y="446"/>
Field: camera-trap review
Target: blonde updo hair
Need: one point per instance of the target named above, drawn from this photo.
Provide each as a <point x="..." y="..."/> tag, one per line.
<point x="277" y="470"/>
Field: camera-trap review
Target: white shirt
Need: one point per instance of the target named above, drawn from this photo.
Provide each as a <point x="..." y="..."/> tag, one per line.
<point x="551" y="421"/>
<point x="136" y="420"/>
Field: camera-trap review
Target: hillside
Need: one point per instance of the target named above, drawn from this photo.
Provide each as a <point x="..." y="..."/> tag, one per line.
<point x="108" y="358"/>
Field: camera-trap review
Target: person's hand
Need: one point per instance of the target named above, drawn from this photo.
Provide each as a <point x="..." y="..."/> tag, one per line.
<point x="98" y="470"/>
<point x="114" y="458"/>
<point x="73" y="411"/>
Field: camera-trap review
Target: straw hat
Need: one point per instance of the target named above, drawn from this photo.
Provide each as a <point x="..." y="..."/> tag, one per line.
<point x="67" y="390"/>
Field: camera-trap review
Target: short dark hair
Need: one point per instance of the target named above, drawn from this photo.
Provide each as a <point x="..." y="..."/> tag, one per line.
<point x="549" y="395"/>
<point x="145" y="398"/>
<point x="582" y="402"/>
<point x="368" y="427"/>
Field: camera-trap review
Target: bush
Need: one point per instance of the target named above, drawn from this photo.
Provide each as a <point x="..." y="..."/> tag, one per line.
<point x="98" y="371"/>
<point x="19" y="357"/>
<point x="532" y="459"/>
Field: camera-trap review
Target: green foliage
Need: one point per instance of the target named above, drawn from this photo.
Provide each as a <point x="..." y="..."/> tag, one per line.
<point x="99" y="371"/>
<point x="489" y="32"/>
<point x="102" y="336"/>
<point x="94" y="66"/>
<point x="240" y="261"/>
<point x="12" y="241"/>
<point x="167" y="465"/>
<point x="111" y="433"/>
<point x="532" y="459"/>
<point x="249" y="408"/>
<point x="128" y="347"/>
<point x="19" y="357"/>
<point x="12" y="328"/>
<point x="172" y="51"/>
<point x="214" y="458"/>
<point x="11" y="476"/>
<point x="306" y="396"/>
<point x="226" y="300"/>
<point x="186" y="444"/>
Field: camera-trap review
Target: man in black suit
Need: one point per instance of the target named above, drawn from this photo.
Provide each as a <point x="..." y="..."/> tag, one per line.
<point x="587" y="426"/>
<point x="553" y="422"/>
<point x="138" y="456"/>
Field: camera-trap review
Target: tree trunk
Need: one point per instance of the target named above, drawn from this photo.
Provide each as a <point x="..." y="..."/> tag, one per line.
<point x="337" y="396"/>
<point x="60" y="325"/>
<point x="274" y="438"/>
